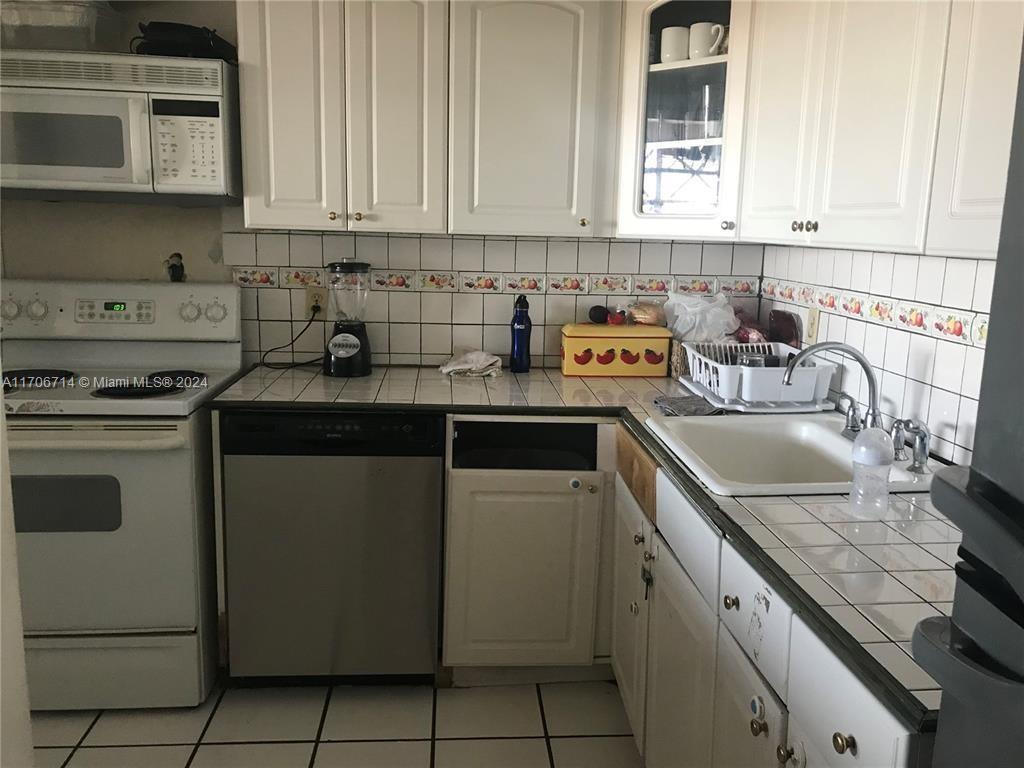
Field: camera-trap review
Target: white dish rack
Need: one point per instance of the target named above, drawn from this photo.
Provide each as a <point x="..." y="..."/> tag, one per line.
<point x="716" y="376"/>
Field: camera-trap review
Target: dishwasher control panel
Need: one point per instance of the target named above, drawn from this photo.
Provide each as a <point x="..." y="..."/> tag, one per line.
<point x="308" y="432"/>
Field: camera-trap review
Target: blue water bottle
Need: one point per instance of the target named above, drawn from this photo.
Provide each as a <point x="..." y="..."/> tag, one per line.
<point x="519" y="360"/>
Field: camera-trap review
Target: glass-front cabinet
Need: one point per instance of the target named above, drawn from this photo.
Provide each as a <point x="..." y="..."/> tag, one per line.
<point x="684" y="85"/>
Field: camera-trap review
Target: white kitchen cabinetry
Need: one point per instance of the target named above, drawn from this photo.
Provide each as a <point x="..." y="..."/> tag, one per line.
<point x="396" y="61"/>
<point x="320" y="76"/>
<point x="525" y="80"/>
<point x="750" y="720"/>
<point x="681" y="653"/>
<point x="681" y="124"/>
<point x="975" y="126"/>
<point x="782" y="102"/>
<point x="865" y="176"/>
<point x="521" y="567"/>
<point x="634" y="535"/>
<point x="757" y="617"/>
<point x="292" y="104"/>
<point x="841" y="723"/>
<point x="696" y="544"/>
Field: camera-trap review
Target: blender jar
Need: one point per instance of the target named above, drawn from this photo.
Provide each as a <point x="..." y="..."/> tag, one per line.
<point x="348" y="285"/>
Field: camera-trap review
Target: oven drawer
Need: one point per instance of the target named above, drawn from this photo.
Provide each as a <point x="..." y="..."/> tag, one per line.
<point x="103" y="672"/>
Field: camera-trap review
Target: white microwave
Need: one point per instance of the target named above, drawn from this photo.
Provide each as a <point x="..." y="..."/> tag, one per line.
<point x="101" y="122"/>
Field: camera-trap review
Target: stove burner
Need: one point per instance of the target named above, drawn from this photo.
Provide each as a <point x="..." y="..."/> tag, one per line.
<point x="140" y="391"/>
<point x="38" y="378"/>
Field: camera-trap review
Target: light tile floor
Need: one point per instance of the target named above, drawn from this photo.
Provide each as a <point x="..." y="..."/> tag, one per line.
<point x="558" y="725"/>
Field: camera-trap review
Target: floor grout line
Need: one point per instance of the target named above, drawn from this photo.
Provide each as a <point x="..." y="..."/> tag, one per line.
<point x="206" y="727"/>
<point x="320" y="727"/>
<point x="544" y="724"/>
<point x="74" y="749"/>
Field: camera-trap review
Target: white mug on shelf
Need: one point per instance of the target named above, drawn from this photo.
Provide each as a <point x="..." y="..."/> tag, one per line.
<point x="705" y="39"/>
<point x="675" y="44"/>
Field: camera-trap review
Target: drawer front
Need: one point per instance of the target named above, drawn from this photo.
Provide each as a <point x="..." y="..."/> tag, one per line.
<point x="695" y="543"/>
<point x="826" y="698"/>
<point x="638" y="469"/>
<point x="756" y="616"/>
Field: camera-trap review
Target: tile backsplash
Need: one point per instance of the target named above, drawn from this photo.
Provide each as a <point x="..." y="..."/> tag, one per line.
<point x="432" y="294"/>
<point x="922" y="321"/>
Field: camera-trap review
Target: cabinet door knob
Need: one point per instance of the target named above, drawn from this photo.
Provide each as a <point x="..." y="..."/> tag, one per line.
<point x="732" y="225"/>
<point x="725" y="225"/>
<point x="757" y="727"/>
<point x="783" y="753"/>
<point x="809" y="224"/>
<point x="584" y="221"/>
<point x="638" y="539"/>
<point x="844" y="743"/>
<point x="358" y="216"/>
<point x="796" y="226"/>
<point x="731" y="602"/>
<point x="332" y="215"/>
<point x="591" y="489"/>
<point x="648" y="556"/>
<point x="815" y="227"/>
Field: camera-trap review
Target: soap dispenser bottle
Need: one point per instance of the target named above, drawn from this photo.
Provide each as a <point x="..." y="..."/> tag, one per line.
<point x="872" y="461"/>
<point x="519" y="359"/>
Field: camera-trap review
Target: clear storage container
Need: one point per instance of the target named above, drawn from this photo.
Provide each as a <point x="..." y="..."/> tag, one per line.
<point x="59" y="25"/>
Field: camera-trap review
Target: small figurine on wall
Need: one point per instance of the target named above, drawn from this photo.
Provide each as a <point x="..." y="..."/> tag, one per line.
<point x="175" y="268"/>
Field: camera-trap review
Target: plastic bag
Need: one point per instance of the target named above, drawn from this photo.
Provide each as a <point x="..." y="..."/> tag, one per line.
<point x="696" y="318"/>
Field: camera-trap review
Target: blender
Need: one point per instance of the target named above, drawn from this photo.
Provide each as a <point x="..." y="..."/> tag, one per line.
<point x="348" y="351"/>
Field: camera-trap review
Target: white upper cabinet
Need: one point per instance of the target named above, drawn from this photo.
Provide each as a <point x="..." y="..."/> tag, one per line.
<point x="844" y="160"/>
<point x="523" y="117"/>
<point x="682" y="118"/>
<point x="975" y="126"/>
<point x="879" y="117"/>
<point x="293" y="132"/>
<point x="396" y="61"/>
<point x="784" y="90"/>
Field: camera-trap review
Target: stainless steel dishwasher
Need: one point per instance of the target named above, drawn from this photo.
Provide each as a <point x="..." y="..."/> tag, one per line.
<point x="332" y="542"/>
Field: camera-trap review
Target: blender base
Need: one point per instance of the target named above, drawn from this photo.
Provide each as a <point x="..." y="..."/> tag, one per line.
<point x="348" y="351"/>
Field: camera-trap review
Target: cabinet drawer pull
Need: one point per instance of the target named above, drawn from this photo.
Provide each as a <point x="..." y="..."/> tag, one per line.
<point x="584" y="222"/>
<point x="332" y="215"/>
<point x="809" y="225"/>
<point x="725" y="225"/>
<point x="358" y="216"/>
<point x="783" y="754"/>
<point x="795" y="226"/>
<point x="731" y="602"/>
<point x="648" y="556"/>
<point x="757" y="727"/>
<point x="634" y="608"/>
<point x="814" y="228"/>
<point x="844" y="743"/>
<point x="638" y="539"/>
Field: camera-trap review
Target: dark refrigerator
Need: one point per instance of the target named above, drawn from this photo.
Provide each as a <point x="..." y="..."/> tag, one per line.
<point x="977" y="655"/>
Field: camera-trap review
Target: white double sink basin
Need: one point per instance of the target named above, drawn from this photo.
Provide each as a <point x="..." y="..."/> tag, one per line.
<point x="772" y="455"/>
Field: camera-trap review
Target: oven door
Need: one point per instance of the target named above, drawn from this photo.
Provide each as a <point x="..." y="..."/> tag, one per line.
<point x="82" y="140"/>
<point x="105" y="515"/>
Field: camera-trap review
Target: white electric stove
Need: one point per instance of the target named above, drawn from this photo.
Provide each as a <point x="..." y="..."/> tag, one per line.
<point x="112" y="484"/>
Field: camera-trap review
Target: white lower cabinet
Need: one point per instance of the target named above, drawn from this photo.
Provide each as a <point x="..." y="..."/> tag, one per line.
<point x="681" y="651"/>
<point x="521" y="567"/>
<point x="841" y="723"/>
<point x="631" y="605"/>
<point x="750" y="720"/>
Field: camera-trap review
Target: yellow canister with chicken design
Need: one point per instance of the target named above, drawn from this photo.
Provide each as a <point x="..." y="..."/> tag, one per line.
<point x="614" y="350"/>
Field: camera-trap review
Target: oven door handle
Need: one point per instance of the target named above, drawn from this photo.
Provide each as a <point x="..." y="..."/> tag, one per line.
<point x="17" y="442"/>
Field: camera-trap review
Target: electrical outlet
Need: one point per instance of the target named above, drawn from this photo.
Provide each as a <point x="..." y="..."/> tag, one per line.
<point x="811" y="332"/>
<point x="316" y="297"/>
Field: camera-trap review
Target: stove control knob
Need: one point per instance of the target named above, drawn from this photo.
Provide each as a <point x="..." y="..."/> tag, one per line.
<point x="9" y="309"/>
<point x="36" y="309"/>
<point x="216" y="312"/>
<point x="190" y="311"/>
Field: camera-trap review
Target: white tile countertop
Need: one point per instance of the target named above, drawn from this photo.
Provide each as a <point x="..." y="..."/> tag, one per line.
<point x="544" y="387"/>
<point x="876" y="578"/>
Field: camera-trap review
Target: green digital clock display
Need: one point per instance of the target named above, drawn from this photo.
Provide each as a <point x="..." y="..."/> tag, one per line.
<point x="114" y="306"/>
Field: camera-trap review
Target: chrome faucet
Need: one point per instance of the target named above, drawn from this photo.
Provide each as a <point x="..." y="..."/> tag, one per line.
<point x="899" y="440"/>
<point x="873" y="416"/>
<point x="922" y="436"/>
